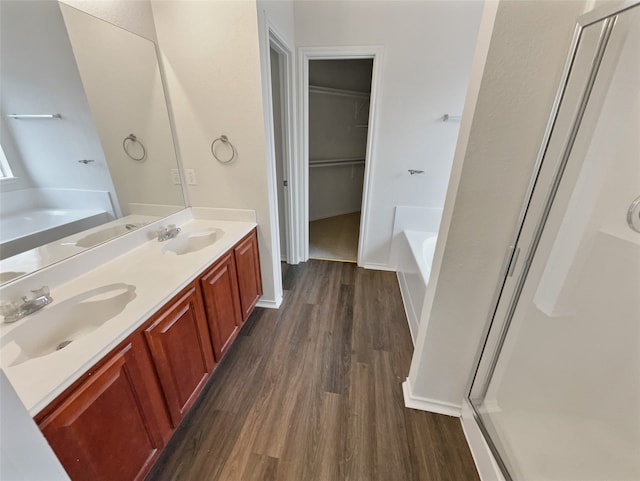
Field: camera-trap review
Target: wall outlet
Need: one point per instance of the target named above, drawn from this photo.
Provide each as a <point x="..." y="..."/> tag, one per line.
<point x="175" y="177"/>
<point x="191" y="176"/>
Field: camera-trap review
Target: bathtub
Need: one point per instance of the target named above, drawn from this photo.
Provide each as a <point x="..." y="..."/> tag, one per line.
<point x="23" y="231"/>
<point x="414" y="256"/>
<point x="36" y="216"/>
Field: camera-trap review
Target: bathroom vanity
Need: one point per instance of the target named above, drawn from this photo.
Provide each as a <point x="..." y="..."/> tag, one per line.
<point x="161" y="318"/>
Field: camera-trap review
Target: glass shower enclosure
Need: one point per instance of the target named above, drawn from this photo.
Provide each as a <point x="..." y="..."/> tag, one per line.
<point x="556" y="393"/>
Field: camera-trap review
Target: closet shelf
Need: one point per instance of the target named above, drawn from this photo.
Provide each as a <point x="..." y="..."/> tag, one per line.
<point x="339" y="92"/>
<point x="335" y="162"/>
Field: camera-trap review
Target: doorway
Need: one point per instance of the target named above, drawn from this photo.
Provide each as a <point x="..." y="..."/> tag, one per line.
<point x="339" y="92"/>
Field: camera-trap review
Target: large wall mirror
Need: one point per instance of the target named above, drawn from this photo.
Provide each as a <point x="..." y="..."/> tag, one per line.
<point x="86" y="144"/>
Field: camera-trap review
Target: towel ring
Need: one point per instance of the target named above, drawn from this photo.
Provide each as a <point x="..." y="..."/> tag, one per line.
<point x="133" y="138"/>
<point x="225" y="140"/>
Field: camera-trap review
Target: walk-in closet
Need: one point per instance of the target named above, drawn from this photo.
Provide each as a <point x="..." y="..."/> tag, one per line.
<point x="339" y="92"/>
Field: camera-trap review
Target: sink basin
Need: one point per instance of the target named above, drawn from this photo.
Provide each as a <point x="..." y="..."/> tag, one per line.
<point x="194" y="241"/>
<point x="106" y="234"/>
<point x="58" y="325"/>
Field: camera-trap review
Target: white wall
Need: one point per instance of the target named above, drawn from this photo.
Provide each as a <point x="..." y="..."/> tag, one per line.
<point x="428" y="47"/>
<point x="336" y="132"/>
<point x="212" y="63"/>
<point x="25" y="454"/>
<point x="280" y="14"/>
<point x="493" y="164"/>
<point x="40" y="76"/>
<point x="335" y="190"/>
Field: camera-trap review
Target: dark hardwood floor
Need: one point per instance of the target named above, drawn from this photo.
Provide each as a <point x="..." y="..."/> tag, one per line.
<point x="312" y="391"/>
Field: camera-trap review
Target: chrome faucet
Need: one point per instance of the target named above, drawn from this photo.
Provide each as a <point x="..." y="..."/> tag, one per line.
<point x="168" y="232"/>
<point x="15" y="310"/>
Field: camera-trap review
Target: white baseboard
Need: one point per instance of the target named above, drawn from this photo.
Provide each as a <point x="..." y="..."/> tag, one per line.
<point x="431" y="405"/>
<point x="269" y="303"/>
<point x="485" y="463"/>
<point x="377" y="267"/>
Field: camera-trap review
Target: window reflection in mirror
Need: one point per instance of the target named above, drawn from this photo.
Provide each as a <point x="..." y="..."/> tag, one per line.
<point x="75" y="93"/>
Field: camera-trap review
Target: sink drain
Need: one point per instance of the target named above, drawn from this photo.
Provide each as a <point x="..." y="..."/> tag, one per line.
<point x="63" y="344"/>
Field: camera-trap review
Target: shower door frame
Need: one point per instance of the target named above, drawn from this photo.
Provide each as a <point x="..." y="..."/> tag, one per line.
<point x="488" y="460"/>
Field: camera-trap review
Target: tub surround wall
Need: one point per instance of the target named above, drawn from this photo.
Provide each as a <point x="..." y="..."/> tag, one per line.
<point x="33" y="217"/>
<point x="32" y="30"/>
<point x="14" y="202"/>
<point x="511" y="92"/>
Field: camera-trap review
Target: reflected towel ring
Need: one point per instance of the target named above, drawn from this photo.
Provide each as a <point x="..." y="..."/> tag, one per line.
<point x="225" y="140"/>
<point x="133" y="138"/>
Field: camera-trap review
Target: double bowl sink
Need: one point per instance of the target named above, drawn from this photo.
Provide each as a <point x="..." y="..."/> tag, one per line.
<point x="62" y="324"/>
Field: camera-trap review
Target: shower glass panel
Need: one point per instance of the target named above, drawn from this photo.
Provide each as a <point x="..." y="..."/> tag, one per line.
<point x="557" y="390"/>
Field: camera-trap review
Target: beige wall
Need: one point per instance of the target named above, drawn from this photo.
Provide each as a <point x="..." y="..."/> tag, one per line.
<point x="212" y="63"/>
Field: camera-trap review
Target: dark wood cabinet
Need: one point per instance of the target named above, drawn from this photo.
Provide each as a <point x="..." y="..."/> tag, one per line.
<point x="110" y="426"/>
<point x="248" y="267"/>
<point x="113" y="422"/>
<point x="222" y="303"/>
<point x="180" y="346"/>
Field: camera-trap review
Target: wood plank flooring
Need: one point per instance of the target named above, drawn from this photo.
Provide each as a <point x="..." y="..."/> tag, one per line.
<point x="312" y="391"/>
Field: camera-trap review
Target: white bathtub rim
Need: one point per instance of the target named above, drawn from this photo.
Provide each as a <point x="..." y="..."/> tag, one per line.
<point x="416" y="240"/>
<point x="62" y="216"/>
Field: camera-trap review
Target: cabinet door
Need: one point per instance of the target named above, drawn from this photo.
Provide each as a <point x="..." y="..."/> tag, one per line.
<point x="222" y="303"/>
<point x="101" y="430"/>
<point x="248" y="266"/>
<point x="180" y="345"/>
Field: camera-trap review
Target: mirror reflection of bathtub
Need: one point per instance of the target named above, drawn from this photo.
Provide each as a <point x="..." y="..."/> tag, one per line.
<point x="68" y="174"/>
<point x="32" y="217"/>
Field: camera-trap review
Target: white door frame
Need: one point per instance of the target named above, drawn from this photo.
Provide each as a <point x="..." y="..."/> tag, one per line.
<point x="287" y="109"/>
<point x="305" y="54"/>
<point x="271" y="38"/>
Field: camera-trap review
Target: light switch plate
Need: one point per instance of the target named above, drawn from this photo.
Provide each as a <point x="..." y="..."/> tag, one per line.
<point x="175" y="177"/>
<point x="191" y="176"/>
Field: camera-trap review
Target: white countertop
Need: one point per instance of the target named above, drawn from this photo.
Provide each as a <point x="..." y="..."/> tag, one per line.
<point x="157" y="276"/>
